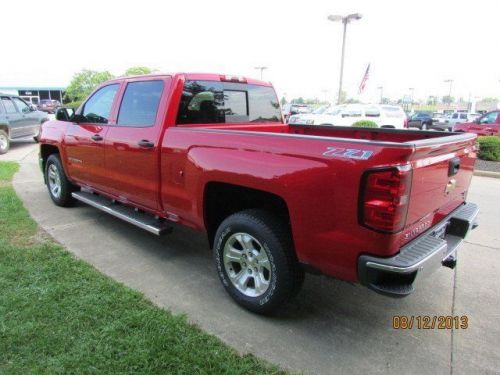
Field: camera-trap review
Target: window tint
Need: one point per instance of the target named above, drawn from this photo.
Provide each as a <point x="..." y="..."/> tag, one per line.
<point x="263" y="104"/>
<point x="98" y="108"/>
<point x="8" y="105"/>
<point x="212" y="102"/>
<point x="236" y="106"/>
<point x="201" y="103"/>
<point x="21" y="105"/>
<point x="463" y="116"/>
<point x="455" y="116"/>
<point x="140" y="103"/>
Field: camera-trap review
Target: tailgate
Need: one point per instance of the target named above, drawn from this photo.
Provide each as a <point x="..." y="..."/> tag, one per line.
<point x="442" y="172"/>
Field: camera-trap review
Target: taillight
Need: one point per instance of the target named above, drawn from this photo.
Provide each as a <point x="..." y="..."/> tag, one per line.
<point x="384" y="198"/>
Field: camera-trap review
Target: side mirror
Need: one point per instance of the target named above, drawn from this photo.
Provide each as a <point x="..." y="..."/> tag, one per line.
<point x="65" y="114"/>
<point x="33" y="108"/>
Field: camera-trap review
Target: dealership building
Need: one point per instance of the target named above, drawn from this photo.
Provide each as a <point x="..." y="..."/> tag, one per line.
<point x="35" y="94"/>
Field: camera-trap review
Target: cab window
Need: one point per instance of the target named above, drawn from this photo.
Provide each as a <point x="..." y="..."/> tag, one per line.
<point x="8" y="105"/>
<point x="98" y="108"/>
<point x="489" y="118"/>
<point x="140" y="103"/>
<point x="21" y="105"/>
<point x="213" y="102"/>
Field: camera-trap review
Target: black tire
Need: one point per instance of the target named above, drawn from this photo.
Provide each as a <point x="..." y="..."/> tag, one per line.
<point x="423" y="126"/>
<point x="5" y="141"/>
<point x="286" y="276"/>
<point x="64" y="198"/>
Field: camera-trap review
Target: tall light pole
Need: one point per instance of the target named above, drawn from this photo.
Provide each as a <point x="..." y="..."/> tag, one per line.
<point x="345" y="20"/>
<point x="450" y="81"/>
<point x="261" y="68"/>
<point x="381" y="88"/>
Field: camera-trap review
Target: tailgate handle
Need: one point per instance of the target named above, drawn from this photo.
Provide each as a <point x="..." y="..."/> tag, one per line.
<point x="454" y="166"/>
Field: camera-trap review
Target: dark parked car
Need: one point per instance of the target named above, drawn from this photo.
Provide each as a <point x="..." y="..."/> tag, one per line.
<point x="421" y="120"/>
<point x="49" y="105"/>
<point x="17" y="120"/>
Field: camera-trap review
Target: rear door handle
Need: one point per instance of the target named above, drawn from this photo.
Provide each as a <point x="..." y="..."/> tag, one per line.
<point x="97" y="137"/>
<point x="146" y="143"/>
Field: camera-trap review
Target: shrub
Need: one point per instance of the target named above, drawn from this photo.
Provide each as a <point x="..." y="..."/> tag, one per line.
<point x="365" y="124"/>
<point x="489" y="148"/>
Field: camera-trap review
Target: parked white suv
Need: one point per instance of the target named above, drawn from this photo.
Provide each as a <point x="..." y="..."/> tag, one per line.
<point x="385" y="116"/>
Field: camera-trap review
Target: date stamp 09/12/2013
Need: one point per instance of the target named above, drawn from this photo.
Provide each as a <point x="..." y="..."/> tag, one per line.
<point x="430" y="322"/>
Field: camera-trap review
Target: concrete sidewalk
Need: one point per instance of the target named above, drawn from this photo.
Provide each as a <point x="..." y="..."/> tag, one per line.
<point x="332" y="327"/>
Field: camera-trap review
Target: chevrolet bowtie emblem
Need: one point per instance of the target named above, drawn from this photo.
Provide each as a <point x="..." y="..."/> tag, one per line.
<point x="450" y="186"/>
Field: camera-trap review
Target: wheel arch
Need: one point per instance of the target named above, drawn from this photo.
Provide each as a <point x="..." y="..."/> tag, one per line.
<point x="45" y="151"/>
<point x="221" y="200"/>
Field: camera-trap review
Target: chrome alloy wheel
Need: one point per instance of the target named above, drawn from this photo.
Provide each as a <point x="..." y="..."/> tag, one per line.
<point x="4" y="142"/>
<point x="247" y="264"/>
<point x="54" y="181"/>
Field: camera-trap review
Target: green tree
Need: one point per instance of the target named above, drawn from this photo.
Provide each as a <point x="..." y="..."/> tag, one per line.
<point x="138" y="70"/>
<point x="283" y="100"/>
<point x="84" y="82"/>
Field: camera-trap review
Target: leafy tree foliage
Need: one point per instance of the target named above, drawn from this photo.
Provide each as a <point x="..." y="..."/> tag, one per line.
<point x="84" y="82"/>
<point x="138" y="70"/>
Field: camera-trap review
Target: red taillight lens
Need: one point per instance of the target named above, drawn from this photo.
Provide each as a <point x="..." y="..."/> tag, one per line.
<point x="385" y="198"/>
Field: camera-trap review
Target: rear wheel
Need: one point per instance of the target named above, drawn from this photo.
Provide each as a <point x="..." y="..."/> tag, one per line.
<point x="424" y="126"/>
<point x="255" y="260"/>
<point x="4" y="142"/>
<point x="60" y="188"/>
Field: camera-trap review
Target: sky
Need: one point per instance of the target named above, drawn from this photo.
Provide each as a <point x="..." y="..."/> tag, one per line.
<point x="416" y="44"/>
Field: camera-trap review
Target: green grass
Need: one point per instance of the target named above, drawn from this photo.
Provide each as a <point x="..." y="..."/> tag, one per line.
<point x="60" y="315"/>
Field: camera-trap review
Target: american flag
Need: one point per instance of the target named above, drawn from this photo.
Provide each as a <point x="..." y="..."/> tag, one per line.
<point x="365" y="78"/>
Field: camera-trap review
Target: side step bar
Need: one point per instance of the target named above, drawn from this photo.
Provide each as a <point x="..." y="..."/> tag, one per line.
<point x="140" y="219"/>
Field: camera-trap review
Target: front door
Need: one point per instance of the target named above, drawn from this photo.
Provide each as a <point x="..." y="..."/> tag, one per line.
<point x="84" y="141"/>
<point x="133" y="144"/>
<point x="30" y="121"/>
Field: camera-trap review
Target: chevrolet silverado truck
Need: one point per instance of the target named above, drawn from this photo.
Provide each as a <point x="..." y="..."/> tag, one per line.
<point x="382" y="207"/>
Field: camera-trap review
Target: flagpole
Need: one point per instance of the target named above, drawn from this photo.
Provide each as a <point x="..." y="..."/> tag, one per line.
<point x="342" y="61"/>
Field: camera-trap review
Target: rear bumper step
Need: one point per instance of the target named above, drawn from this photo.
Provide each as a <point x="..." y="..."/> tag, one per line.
<point x="437" y="247"/>
<point x="140" y="219"/>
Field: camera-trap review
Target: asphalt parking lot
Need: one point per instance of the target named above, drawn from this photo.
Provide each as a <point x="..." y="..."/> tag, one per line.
<point x="332" y="327"/>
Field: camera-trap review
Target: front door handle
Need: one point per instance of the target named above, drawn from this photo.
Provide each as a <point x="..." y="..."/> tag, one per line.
<point x="97" y="137"/>
<point x="146" y="143"/>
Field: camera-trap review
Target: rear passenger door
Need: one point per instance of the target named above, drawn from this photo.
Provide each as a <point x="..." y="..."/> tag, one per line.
<point x="13" y="117"/>
<point x="132" y="145"/>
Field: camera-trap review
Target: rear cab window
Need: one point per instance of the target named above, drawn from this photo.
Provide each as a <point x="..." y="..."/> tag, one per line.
<point x="213" y="102"/>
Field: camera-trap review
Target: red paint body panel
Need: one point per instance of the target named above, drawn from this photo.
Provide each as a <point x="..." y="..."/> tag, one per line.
<point x="321" y="191"/>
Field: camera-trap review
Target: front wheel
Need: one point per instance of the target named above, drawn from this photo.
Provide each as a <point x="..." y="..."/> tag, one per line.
<point x="424" y="126"/>
<point x="60" y="188"/>
<point x="255" y="260"/>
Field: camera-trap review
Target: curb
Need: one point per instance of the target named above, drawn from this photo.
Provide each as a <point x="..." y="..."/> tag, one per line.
<point x="487" y="174"/>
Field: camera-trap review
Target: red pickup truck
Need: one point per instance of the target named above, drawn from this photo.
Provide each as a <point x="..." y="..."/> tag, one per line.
<point x="377" y="206"/>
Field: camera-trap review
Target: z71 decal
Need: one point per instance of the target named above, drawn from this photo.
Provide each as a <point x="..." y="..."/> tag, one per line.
<point x="349" y="153"/>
